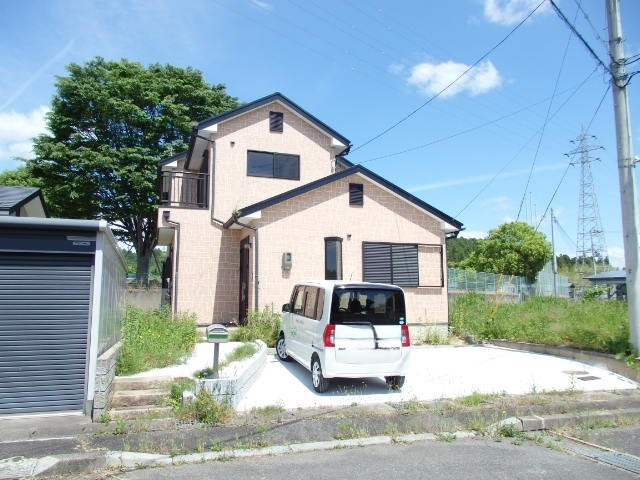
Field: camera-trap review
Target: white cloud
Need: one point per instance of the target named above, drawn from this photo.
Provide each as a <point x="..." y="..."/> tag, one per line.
<point x="510" y="12"/>
<point x="473" y="234"/>
<point x="396" y="68"/>
<point x="485" y="178"/>
<point x="499" y="203"/>
<point x="262" y="5"/>
<point x="17" y="131"/>
<point x="432" y="78"/>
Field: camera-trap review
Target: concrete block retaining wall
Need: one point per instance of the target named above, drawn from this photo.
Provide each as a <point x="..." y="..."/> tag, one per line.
<point x="105" y="374"/>
<point x="237" y="378"/>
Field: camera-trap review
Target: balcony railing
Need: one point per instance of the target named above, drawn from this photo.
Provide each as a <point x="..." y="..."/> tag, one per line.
<point x="185" y="190"/>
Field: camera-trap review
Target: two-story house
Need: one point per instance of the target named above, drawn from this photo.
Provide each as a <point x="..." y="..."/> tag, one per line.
<point x="264" y="198"/>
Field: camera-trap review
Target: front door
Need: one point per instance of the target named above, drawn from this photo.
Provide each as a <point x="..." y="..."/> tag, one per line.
<point x="245" y="246"/>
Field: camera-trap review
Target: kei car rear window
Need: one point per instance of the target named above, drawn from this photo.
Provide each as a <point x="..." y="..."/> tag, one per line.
<point x="374" y="305"/>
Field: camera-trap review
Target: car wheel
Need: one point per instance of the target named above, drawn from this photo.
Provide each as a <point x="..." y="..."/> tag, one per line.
<point x="320" y="384"/>
<point x="395" y="383"/>
<point x="281" y="349"/>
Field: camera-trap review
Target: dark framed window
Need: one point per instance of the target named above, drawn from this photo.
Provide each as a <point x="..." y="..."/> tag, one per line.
<point x="333" y="258"/>
<point x="297" y="301"/>
<point x="273" y="165"/>
<point x="394" y="263"/>
<point x="276" y="121"/>
<point x="308" y="302"/>
<point x="356" y="194"/>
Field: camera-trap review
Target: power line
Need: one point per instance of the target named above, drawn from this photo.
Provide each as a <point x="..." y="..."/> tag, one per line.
<point x="577" y="34"/>
<point x="523" y="146"/>
<point x="482" y="125"/>
<point x="544" y="214"/>
<point x="402" y="30"/>
<point x="432" y="98"/>
<point x="588" y="19"/>
<point x="546" y="121"/>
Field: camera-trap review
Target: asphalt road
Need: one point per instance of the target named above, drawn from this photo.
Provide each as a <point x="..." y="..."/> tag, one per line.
<point x="477" y="459"/>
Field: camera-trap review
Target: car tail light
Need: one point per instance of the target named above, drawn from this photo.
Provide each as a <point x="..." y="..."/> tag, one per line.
<point x="330" y="336"/>
<point x="404" y="335"/>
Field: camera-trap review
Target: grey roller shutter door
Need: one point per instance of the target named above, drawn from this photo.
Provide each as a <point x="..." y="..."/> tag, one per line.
<point x="44" y="321"/>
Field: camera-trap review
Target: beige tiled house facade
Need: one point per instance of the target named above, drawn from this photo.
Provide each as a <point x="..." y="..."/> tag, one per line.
<point x="264" y="198"/>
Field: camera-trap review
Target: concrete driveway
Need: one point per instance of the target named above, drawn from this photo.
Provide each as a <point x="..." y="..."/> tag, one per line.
<point x="436" y="372"/>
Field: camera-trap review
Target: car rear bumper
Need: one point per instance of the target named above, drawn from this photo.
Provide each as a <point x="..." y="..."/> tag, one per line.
<point x="333" y="369"/>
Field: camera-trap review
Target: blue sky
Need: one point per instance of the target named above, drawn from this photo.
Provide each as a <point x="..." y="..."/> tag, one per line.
<point x="361" y="67"/>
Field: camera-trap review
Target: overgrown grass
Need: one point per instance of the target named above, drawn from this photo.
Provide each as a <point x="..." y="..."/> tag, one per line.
<point x="240" y="353"/>
<point x="155" y="339"/>
<point x="204" y="408"/>
<point x="264" y="325"/>
<point x="597" y="325"/>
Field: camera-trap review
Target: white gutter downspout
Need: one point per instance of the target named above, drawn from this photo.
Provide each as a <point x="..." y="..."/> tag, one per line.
<point x="94" y="322"/>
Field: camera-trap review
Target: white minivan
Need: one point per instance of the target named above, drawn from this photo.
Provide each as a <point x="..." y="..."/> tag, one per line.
<point x="346" y="329"/>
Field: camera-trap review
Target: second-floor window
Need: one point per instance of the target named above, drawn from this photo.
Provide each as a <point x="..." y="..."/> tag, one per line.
<point x="273" y="165"/>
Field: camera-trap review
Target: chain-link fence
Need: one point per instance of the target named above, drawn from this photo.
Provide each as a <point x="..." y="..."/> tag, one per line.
<point x="509" y="288"/>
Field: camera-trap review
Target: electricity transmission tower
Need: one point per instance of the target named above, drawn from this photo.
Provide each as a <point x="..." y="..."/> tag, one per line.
<point x="591" y="242"/>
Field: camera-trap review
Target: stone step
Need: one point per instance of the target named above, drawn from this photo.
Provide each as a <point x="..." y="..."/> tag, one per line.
<point x="141" y="383"/>
<point x="138" y="398"/>
<point x="148" y="411"/>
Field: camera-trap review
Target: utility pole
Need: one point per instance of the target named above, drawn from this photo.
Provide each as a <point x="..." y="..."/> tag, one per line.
<point x="554" y="265"/>
<point x="626" y="170"/>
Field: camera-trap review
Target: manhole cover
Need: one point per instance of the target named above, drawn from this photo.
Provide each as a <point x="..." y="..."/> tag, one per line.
<point x="588" y="377"/>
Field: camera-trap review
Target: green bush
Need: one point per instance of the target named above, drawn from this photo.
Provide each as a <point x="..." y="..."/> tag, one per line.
<point x="595" y="292"/>
<point x="601" y="326"/>
<point x="264" y="325"/>
<point x="204" y="408"/>
<point x="154" y="339"/>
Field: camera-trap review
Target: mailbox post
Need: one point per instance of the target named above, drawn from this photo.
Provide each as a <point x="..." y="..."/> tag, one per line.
<point x="217" y="334"/>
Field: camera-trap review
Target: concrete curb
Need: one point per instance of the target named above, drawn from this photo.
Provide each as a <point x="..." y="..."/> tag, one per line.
<point x="19" y="467"/>
<point x="134" y="460"/>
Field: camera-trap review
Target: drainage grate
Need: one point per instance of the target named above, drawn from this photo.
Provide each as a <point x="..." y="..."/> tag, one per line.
<point x="588" y="377"/>
<point x="624" y="461"/>
<point x="575" y="372"/>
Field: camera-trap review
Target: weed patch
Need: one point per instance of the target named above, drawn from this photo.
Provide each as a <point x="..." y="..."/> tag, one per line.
<point x="154" y="339"/>
<point x="204" y="408"/>
<point x="264" y="325"/>
<point x="590" y="324"/>
<point x="347" y="430"/>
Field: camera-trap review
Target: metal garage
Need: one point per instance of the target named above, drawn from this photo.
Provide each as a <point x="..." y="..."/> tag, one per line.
<point x="60" y="289"/>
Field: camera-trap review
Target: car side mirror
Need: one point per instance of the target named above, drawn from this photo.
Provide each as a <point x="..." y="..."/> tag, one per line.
<point x="286" y="308"/>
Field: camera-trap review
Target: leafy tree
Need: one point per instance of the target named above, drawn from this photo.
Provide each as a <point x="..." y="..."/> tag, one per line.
<point x="110" y="122"/>
<point x="19" y="177"/>
<point x="514" y="248"/>
<point x="458" y="249"/>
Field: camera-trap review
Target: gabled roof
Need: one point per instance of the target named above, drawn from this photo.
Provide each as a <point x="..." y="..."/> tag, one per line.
<point x="172" y="158"/>
<point x="277" y="96"/>
<point x="12" y="199"/>
<point x="274" y="97"/>
<point x="454" y="224"/>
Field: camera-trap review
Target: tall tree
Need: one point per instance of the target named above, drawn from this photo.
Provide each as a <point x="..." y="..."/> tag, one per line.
<point x="110" y="122"/>
<point x="458" y="249"/>
<point x="514" y="248"/>
<point x="19" y="177"/>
